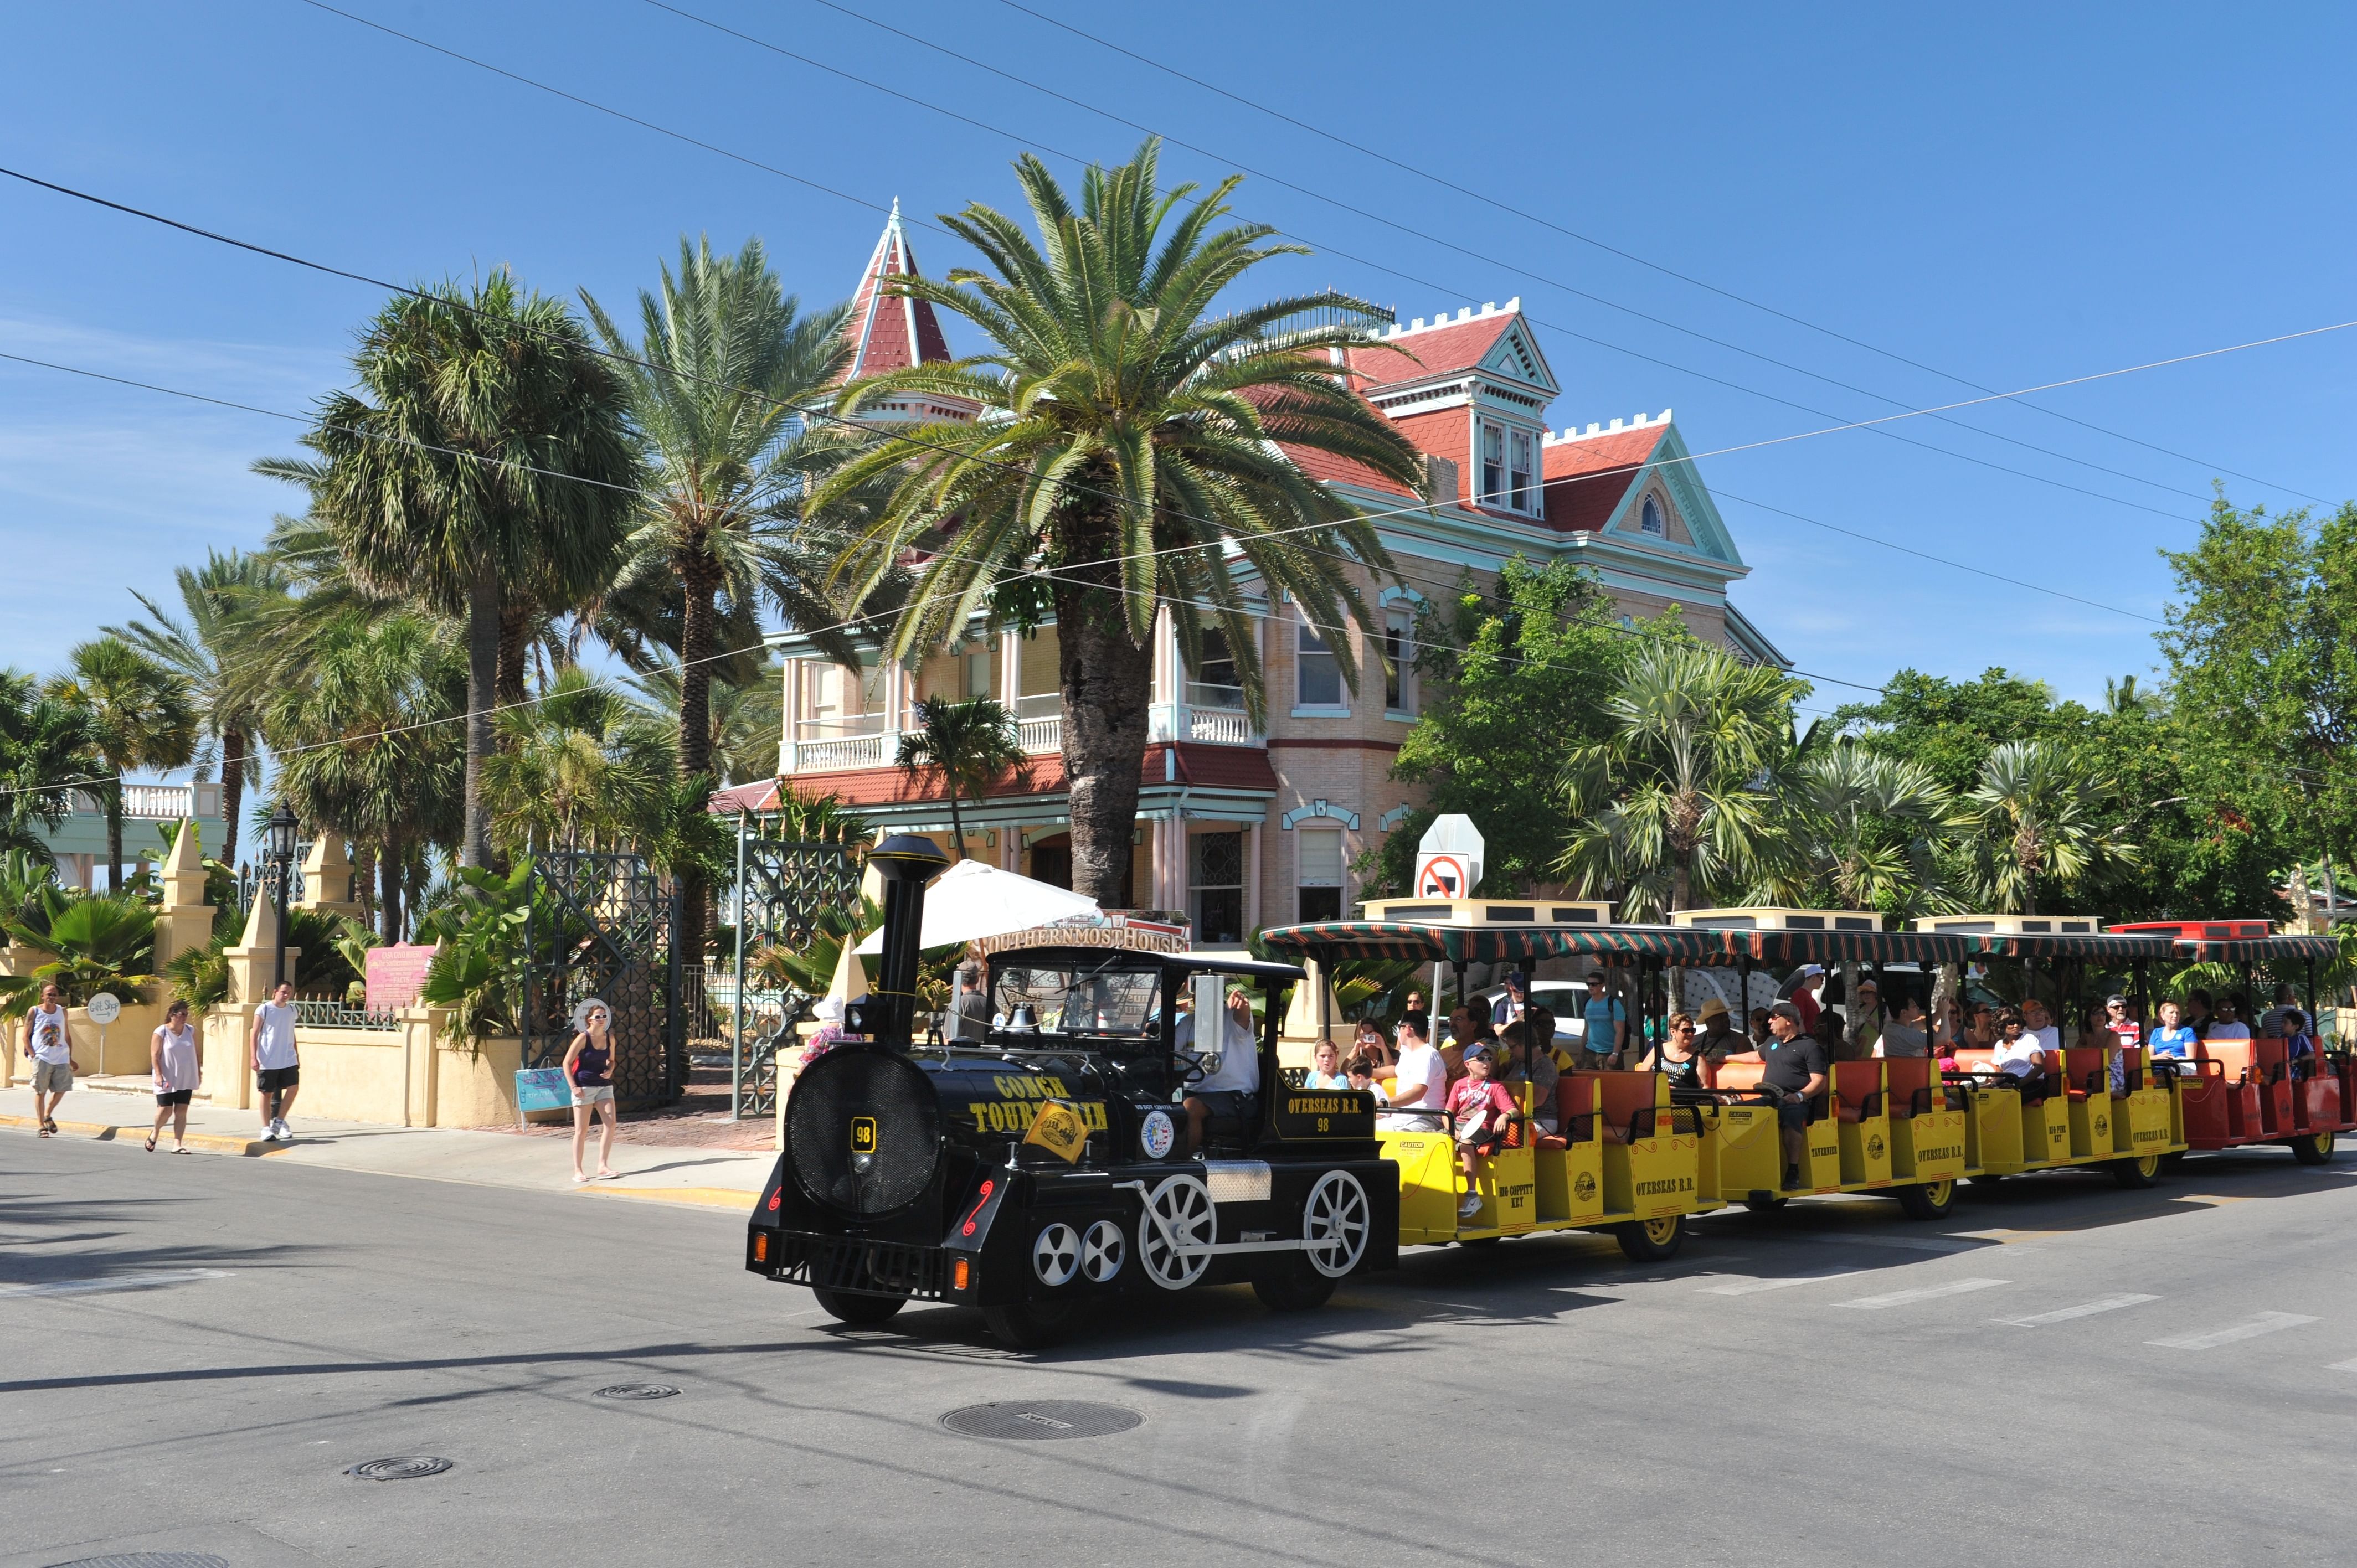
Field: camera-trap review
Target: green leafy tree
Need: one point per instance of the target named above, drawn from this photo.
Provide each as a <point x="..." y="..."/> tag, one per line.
<point x="582" y="768"/>
<point x="1511" y="677"/>
<point x="46" y="745"/>
<point x="966" y="746"/>
<point x="1862" y="829"/>
<point x="508" y="491"/>
<point x="366" y="748"/>
<point x="2039" y="816"/>
<point x="746" y="718"/>
<point x="140" y="715"/>
<point x="225" y="605"/>
<point x="1673" y="800"/>
<point x="1128" y="441"/>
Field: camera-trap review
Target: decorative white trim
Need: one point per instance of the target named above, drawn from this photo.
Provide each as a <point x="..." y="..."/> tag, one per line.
<point x="1325" y="808"/>
<point x="1321" y="713"/>
<point x="1394" y="817"/>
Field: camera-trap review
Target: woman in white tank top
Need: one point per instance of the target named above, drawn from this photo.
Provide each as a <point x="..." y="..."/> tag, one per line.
<point x="172" y="1054"/>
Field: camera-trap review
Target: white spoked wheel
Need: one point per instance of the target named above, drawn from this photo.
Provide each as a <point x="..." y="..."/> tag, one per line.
<point x="1102" y="1251"/>
<point x="1056" y="1255"/>
<point x="1179" y="1214"/>
<point x="1334" y="1223"/>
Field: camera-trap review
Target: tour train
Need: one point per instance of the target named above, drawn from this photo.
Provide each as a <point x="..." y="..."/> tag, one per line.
<point x="1046" y="1170"/>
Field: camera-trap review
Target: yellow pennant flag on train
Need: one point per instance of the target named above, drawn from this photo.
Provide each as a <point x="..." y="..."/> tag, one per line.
<point x="1058" y="1128"/>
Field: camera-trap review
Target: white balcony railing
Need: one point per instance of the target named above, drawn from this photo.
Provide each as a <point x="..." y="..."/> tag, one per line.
<point x="158" y="802"/>
<point x="850" y="751"/>
<point x="1041" y="735"/>
<point x="822" y="746"/>
<point x="1220" y="726"/>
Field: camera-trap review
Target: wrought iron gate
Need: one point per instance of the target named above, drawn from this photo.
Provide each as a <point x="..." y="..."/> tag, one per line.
<point x="780" y="888"/>
<point x="600" y="924"/>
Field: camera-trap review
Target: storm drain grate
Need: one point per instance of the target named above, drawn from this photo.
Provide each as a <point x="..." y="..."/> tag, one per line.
<point x="407" y="1469"/>
<point x="637" y="1391"/>
<point x="1037" y="1419"/>
<point x="150" y="1560"/>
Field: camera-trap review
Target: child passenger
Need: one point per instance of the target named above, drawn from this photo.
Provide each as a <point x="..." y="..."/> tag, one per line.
<point x="1325" y="1069"/>
<point x="1482" y="1109"/>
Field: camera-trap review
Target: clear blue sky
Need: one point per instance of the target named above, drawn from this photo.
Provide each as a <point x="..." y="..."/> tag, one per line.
<point x="2014" y="195"/>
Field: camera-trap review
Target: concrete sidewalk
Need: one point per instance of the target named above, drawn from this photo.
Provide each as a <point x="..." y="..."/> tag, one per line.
<point x="726" y="1178"/>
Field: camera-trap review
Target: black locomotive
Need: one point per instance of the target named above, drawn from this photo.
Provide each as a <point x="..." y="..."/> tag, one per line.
<point x="1046" y="1168"/>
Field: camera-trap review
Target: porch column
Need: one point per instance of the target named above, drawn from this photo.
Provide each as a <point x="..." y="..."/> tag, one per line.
<point x="1010" y="671"/>
<point x="1251" y="877"/>
<point x="789" y="697"/>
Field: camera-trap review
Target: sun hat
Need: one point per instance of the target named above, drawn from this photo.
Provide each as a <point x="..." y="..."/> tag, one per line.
<point x="1714" y="1008"/>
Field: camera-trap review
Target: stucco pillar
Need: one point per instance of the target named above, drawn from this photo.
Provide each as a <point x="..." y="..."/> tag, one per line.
<point x="328" y="878"/>
<point x="251" y="960"/>
<point x="185" y="922"/>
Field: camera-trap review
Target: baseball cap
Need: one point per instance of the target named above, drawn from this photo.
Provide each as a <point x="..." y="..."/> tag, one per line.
<point x="1516" y="977"/>
<point x="2115" y="1000"/>
<point x="1479" y="1048"/>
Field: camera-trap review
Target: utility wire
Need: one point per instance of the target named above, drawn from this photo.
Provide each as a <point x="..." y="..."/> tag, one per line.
<point x="1609" y="248"/>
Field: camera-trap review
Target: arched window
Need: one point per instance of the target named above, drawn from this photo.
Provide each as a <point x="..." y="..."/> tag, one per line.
<point x="1649" y="521"/>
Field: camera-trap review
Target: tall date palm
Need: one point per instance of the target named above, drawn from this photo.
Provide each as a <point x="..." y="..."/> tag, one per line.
<point x="485" y="464"/>
<point x="140" y="716"/>
<point x="1128" y="441"/>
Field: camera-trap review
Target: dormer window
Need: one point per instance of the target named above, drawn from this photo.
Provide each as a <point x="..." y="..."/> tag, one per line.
<point x="1493" y="467"/>
<point x="1509" y="472"/>
<point x="1649" y="521"/>
<point x="1526" y="499"/>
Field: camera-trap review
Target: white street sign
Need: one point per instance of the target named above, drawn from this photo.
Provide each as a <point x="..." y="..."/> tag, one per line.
<point x="104" y="1008"/>
<point x="1448" y="858"/>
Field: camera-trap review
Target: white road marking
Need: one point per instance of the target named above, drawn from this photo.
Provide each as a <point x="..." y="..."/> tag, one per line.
<point x="113" y="1282"/>
<point x="1922" y="1293"/>
<point x="2343" y="1367"/>
<point x="2084" y="1309"/>
<point x="2265" y="1323"/>
<point x="1752" y="1287"/>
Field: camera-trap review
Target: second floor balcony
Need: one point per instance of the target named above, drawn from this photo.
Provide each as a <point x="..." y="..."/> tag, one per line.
<point x="873" y="740"/>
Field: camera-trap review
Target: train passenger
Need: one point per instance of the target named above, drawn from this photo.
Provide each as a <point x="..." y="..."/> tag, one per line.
<point x="970" y="1011"/>
<point x="1604" y="1024"/>
<point x="1374" y="1043"/>
<point x="1359" y="1072"/>
<point x="1865" y="1022"/>
<point x="1483" y="1110"/>
<point x="2299" y="1044"/>
<point x="2020" y="1055"/>
<point x="1904" y="1035"/>
<point x="1514" y="1003"/>
<point x="1808" y="997"/>
<point x="2287" y="1000"/>
<point x="1760" y="1036"/>
<point x="2199" y="1010"/>
<point x="1419" y="1009"/>
<point x="1229" y="1089"/>
<point x="2036" y="1020"/>
<point x="1832" y="1034"/>
<point x="1324" y="1068"/>
<point x="1718" y="1039"/>
<point x="2126" y="1030"/>
<point x="2172" y="1036"/>
<point x="1794" y="1071"/>
<point x="2222" y="1024"/>
<point x="1678" y="1055"/>
<point x="1531" y="1068"/>
<point x="1421" y="1086"/>
<point x="2095" y="1031"/>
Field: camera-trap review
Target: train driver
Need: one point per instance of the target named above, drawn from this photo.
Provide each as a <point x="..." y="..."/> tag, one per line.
<point x="1794" y="1071"/>
<point x="1227" y="1090"/>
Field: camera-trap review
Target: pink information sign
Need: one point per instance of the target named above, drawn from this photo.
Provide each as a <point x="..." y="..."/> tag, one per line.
<point x="396" y="973"/>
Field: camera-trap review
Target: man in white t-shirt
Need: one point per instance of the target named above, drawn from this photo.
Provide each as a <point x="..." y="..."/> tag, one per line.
<point x="50" y="1045"/>
<point x="2224" y="1025"/>
<point x="1421" y="1083"/>
<point x="1227" y="1088"/>
<point x="2036" y="1020"/>
<point x="275" y="1070"/>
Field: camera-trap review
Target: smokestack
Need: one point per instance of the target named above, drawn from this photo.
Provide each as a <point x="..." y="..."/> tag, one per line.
<point x="905" y="863"/>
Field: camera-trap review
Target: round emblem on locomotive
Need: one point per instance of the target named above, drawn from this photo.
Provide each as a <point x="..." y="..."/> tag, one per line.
<point x="1155" y="1134"/>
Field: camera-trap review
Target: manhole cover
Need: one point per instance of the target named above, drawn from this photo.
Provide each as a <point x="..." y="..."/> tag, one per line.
<point x="150" y="1560"/>
<point x="408" y="1469"/>
<point x="637" y="1391"/>
<point x="1041" y="1419"/>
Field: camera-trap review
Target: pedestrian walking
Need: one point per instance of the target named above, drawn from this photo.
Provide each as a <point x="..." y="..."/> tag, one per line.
<point x="172" y="1057"/>
<point x="588" y="1066"/>
<point x="50" y="1045"/>
<point x="277" y="1069"/>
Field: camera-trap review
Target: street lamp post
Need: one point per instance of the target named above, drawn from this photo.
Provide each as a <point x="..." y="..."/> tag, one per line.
<point x="281" y="830"/>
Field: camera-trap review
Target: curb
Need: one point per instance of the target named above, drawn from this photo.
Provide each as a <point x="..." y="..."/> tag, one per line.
<point x="700" y="1196"/>
<point x="116" y="1133"/>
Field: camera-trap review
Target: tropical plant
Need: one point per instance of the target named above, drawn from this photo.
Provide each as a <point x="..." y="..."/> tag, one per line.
<point x="140" y="716"/>
<point x="1674" y="800"/>
<point x="331" y="954"/>
<point x="1127" y="444"/>
<point x="484" y="468"/>
<point x="2041" y="823"/>
<point x="90" y="943"/>
<point x="810" y="969"/>
<point x="1861" y="828"/>
<point x="47" y="747"/>
<point x="814" y="819"/>
<point x="745" y="721"/>
<point x="967" y="745"/>
<point x="224" y="605"/>
<point x="365" y="748"/>
<point x="25" y="876"/>
<point x="582" y="768"/>
<point x="480" y="923"/>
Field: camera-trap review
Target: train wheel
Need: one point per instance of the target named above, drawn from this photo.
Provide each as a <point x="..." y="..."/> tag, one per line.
<point x="846" y="1308"/>
<point x="2142" y="1171"/>
<point x="1765" y="1205"/>
<point x="1297" y="1287"/>
<point x="1652" y="1240"/>
<point x="1930" y="1200"/>
<point x="1032" y="1325"/>
<point x="1335" y="1222"/>
<point x="2316" y="1149"/>
<point x="1179" y="1217"/>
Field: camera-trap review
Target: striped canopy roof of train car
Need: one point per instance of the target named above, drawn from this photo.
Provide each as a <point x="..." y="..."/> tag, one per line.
<point x="1438" y="943"/>
<point x="2256" y="949"/>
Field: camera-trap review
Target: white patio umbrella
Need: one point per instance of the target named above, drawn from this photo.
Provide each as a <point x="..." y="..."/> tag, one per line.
<point x="973" y="899"/>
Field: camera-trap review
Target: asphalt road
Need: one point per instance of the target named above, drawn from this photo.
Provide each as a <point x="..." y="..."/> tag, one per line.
<point x="1830" y="1385"/>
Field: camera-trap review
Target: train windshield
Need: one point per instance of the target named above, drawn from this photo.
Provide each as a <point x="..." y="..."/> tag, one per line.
<point x="1118" y="998"/>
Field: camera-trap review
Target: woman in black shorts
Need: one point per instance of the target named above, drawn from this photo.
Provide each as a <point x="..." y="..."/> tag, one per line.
<point x="177" y="1065"/>
<point x="588" y="1061"/>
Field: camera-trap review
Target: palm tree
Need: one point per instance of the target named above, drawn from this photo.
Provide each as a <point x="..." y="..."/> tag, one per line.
<point x="486" y="465"/>
<point x="1676" y="798"/>
<point x="1127" y="443"/>
<point x="45" y="744"/>
<point x="140" y="716"/>
<point x="223" y="605"/>
<point x="969" y="744"/>
<point x="360" y="751"/>
<point x="582" y="763"/>
<point x="2039" y="813"/>
<point x="1864" y="827"/>
<point x="745" y="719"/>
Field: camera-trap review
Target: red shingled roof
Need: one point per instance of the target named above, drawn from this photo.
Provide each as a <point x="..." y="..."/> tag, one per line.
<point x="1587" y="479"/>
<point x="1459" y="345"/>
<point x="888" y="333"/>
<point x="1207" y="767"/>
<point x="1326" y="468"/>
